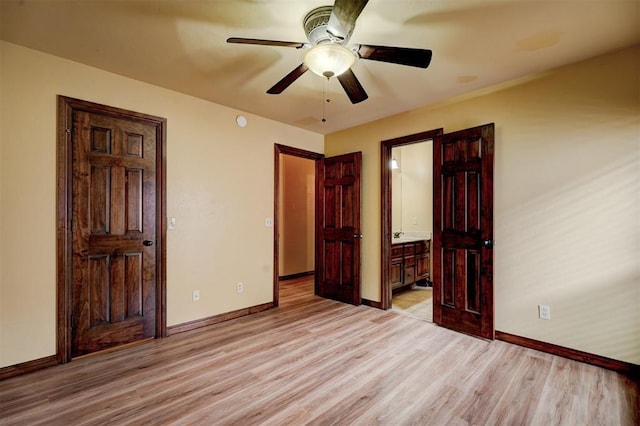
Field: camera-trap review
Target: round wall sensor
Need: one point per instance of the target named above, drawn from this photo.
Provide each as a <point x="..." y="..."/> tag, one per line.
<point x="241" y="120"/>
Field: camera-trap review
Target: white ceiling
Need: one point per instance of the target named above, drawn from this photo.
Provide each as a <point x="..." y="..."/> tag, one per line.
<point x="181" y="45"/>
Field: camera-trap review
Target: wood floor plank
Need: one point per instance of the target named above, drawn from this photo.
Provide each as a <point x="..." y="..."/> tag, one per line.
<point x="317" y="361"/>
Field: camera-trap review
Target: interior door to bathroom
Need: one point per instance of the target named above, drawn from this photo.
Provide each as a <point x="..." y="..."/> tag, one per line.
<point x="463" y="231"/>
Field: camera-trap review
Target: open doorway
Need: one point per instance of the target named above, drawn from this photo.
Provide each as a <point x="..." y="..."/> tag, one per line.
<point x="407" y="224"/>
<point x="412" y="229"/>
<point x="337" y="225"/>
<point x="294" y="222"/>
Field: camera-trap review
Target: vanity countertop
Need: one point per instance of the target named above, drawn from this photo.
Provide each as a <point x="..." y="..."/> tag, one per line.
<point x="403" y="240"/>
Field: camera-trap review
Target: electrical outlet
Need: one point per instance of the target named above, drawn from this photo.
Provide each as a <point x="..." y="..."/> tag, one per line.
<point x="239" y="288"/>
<point x="195" y="296"/>
<point x="544" y="312"/>
<point x="268" y="222"/>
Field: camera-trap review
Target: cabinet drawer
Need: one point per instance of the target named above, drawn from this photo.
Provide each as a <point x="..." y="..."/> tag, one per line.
<point x="409" y="276"/>
<point x="409" y="262"/>
<point x="409" y="249"/>
<point x="422" y="247"/>
<point x="396" y="251"/>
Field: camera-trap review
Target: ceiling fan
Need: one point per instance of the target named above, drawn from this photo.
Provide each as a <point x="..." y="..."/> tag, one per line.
<point x="328" y="29"/>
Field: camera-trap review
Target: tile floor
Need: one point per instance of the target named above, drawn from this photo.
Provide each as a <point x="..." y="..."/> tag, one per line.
<point x="422" y="310"/>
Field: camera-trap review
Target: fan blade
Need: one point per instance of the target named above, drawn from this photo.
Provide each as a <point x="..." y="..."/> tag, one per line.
<point x="239" y="40"/>
<point x="352" y="86"/>
<point x="288" y="80"/>
<point x="343" y="18"/>
<point x="396" y="55"/>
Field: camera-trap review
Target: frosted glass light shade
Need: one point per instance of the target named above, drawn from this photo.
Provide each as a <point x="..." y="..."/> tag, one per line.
<point x="329" y="60"/>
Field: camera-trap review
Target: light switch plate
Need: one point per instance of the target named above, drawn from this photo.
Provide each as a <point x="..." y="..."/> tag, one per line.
<point x="544" y="312"/>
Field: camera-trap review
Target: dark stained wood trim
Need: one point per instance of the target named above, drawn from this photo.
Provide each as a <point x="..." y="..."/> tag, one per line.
<point x="215" y="319"/>
<point x="295" y="152"/>
<point x="627" y="368"/>
<point x="319" y="201"/>
<point x="385" y="207"/>
<point x="66" y="108"/>
<point x="386" y="225"/>
<point x="298" y="275"/>
<point x="487" y="229"/>
<point x="28" y="367"/>
<point x="371" y="303"/>
<point x="161" y="226"/>
<point x="63" y="231"/>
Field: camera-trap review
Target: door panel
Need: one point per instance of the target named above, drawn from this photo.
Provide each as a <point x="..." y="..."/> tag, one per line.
<point x="114" y="231"/>
<point x="338" y="218"/>
<point x="463" y="231"/>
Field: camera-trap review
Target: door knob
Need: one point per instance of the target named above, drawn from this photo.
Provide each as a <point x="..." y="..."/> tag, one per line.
<point x="487" y="243"/>
<point x="357" y="235"/>
<point x="147" y="243"/>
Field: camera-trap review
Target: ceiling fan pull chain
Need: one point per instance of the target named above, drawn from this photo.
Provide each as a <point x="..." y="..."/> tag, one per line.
<point x="324" y="98"/>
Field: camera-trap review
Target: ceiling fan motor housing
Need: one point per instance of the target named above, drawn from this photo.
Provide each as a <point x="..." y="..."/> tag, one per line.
<point x="315" y="26"/>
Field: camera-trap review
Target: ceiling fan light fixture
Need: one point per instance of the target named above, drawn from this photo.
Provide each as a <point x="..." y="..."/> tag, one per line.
<point x="329" y="60"/>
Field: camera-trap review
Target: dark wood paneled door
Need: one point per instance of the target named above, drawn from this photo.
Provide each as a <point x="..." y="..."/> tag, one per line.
<point x="463" y="231"/>
<point x="338" y="228"/>
<point x="113" y="232"/>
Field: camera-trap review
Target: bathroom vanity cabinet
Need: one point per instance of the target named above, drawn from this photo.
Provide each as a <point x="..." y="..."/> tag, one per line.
<point x="410" y="264"/>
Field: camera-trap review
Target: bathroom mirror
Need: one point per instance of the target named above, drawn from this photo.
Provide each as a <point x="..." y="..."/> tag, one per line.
<point x="411" y="191"/>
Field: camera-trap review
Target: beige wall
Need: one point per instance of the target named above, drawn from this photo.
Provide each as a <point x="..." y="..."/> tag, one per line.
<point x="567" y="200"/>
<point x="219" y="188"/>
<point x="297" y="215"/>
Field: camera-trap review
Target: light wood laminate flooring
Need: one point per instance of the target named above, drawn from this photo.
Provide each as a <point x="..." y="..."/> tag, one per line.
<point x="316" y="361"/>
